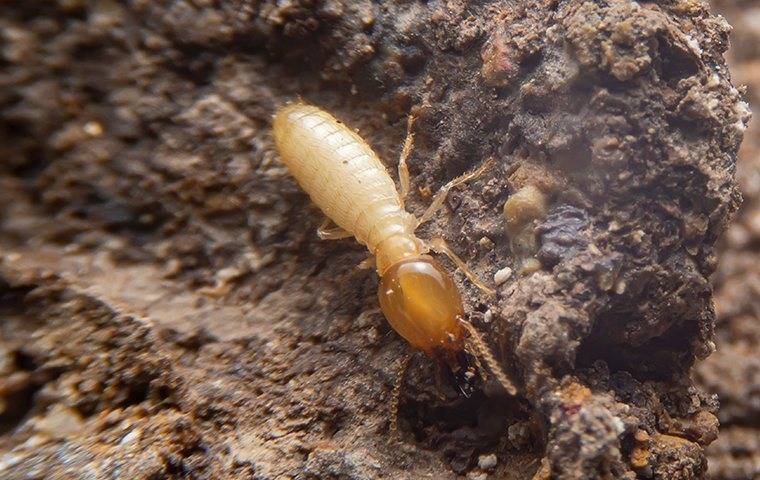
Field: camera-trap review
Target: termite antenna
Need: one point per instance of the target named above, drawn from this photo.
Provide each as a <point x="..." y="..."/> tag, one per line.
<point x="403" y="169"/>
<point x="476" y="359"/>
<point x="439" y="245"/>
<point x="440" y="197"/>
<point x="484" y="352"/>
<point x="396" y="394"/>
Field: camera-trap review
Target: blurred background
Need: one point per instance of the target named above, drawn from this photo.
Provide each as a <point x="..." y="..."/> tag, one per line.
<point x="733" y="371"/>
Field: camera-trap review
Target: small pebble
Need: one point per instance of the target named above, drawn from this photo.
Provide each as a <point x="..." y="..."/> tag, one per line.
<point x="132" y="436"/>
<point x="486" y="243"/>
<point x="93" y="129"/>
<point x="487" y="462"/>
<point x="502" y="275"/>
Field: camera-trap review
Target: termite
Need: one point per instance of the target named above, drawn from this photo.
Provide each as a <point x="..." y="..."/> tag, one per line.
<point x="345" y="178"/>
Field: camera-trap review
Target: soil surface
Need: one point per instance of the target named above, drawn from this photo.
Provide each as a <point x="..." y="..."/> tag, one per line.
<point x="167" y="311"/>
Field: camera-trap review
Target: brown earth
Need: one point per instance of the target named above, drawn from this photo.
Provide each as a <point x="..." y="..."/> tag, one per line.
<point x="166" y="310"/>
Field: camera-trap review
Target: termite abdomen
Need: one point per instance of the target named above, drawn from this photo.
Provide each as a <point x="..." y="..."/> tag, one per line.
<point x="341" y="173"/>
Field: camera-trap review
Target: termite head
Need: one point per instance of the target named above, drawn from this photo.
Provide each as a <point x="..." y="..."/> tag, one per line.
<point x="422" y="303"/>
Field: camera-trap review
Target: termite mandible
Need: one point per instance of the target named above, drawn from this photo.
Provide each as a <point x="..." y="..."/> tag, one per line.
<point x="345" y="178"/>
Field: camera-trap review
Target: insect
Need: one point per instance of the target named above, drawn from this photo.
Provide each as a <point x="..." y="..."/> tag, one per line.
<point x="345" y="178"/>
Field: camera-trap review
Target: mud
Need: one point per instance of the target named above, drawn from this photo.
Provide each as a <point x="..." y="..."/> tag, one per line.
<point x="168" y="312"/>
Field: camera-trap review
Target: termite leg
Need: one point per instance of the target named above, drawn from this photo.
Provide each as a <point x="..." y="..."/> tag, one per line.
<point x="367" y="263"/>
<point x="396" y="393"/>
<point x="403" y="169"/>
<point x="439" y="197"/>
<point x="485" y="353"/>
<point x="439" y="245"/>
<point x="325" y="232"/>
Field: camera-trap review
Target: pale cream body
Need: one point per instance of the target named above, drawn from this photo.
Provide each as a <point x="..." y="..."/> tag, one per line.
<point x="347" y="181"/>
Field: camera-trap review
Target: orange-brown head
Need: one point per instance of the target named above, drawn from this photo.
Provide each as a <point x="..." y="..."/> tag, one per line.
<point x="422" y="304"/>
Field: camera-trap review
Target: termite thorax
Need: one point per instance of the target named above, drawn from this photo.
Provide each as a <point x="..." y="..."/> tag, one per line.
<point x="396" y="248"/>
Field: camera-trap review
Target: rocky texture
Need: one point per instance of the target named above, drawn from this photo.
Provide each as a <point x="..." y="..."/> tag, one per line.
<point x="167" y="311"/>
<point x="733" y="372"/>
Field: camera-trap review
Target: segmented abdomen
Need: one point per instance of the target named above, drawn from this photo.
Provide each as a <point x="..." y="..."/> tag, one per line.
<point x="341" y="174"/>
